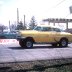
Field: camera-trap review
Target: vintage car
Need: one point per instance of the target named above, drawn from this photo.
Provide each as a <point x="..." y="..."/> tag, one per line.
<point x="44" y="34"/>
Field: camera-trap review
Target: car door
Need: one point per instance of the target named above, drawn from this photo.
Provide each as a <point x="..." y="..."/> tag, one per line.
<point x="49" y="35"/>
<point x="42" y="35"/>
<point x="58" y="34"/>
<point x="46" y="35"/>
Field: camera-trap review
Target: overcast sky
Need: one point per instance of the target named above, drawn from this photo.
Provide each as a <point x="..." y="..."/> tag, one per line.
<point x="41" y="9"/>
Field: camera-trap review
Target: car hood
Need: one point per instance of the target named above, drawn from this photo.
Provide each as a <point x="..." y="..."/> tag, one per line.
<point x="27" y="31"/>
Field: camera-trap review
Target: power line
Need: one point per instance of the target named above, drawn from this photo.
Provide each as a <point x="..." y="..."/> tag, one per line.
<point x="67" y="15"/>
<point x="59" y="3"/>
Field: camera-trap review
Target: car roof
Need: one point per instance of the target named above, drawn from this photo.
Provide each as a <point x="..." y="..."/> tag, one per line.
<point x="48" y="26"/>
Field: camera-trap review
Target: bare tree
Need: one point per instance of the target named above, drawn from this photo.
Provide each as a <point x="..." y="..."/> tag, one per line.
<point x="32" y="23"/>
<point x="20" y="26"/>
<point x="2" y="27"/>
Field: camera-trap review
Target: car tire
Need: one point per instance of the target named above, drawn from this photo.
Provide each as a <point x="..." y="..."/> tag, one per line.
<point x="29" y="43"/>
<point x="22" y="43"/>
<point x="63" y="42"/>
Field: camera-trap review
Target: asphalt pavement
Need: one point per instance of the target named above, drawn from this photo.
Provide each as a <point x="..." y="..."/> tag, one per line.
<point x="12" y="52"/>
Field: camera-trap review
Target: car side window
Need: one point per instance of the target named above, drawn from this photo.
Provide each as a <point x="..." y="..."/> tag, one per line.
<point x="57" y="30"/>
<point x="46" y="29"/>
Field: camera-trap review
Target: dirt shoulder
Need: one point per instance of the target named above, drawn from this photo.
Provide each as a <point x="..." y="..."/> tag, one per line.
<point x="58" y="65"/>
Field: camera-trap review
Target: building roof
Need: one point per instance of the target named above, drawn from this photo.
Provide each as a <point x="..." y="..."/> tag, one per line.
<point x="56" y="20"/>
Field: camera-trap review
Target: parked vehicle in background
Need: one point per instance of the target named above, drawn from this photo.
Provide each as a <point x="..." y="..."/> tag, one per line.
<point x="69" y="30"/>
<point x="44" y="34"/>
<point x="8" y="35"/>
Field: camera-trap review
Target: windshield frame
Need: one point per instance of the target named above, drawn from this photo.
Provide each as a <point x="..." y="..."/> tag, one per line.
<point x="52" y="29"/>
<point x="36" y="28"/>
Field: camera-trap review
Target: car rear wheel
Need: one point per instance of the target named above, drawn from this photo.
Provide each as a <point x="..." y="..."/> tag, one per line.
<point x="63" y="43"/>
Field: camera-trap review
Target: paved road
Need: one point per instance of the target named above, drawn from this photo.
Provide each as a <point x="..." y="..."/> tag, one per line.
<point x="12" y="52"/>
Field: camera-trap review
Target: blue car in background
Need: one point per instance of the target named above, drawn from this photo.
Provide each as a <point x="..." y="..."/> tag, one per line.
<point x="8" y="35"/>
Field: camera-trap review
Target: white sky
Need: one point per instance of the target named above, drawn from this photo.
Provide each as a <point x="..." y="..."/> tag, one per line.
<point x="41" y="9"/>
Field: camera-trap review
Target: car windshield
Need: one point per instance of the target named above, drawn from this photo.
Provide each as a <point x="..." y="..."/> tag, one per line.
<point x="38" y="28"/>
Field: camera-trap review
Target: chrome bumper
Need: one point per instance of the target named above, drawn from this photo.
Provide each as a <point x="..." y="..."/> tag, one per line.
<point x="20" y="38"/>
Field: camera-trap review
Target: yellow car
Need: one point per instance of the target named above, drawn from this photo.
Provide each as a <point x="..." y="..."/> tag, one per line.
<point x="44" y="34"/>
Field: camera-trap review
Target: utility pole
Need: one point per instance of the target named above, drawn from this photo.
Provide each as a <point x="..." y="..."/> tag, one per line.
<point x="24" y="22"/>
<point x="17" y="16"/>
<point x="9" y="25"/>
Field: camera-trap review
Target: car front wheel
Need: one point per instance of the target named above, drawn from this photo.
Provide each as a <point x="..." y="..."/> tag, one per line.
<point x="22" y="44"/>
<point x="29" y="43"/>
